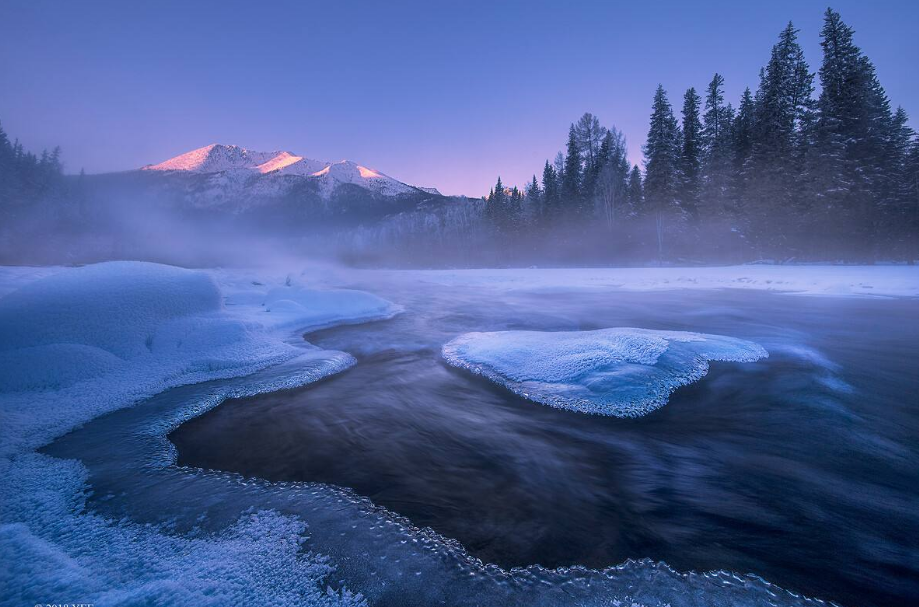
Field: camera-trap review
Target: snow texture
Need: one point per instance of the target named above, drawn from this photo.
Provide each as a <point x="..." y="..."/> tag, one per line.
<point x="622" y="372"/>
<point x="76" y="343"/>
<point x="113" y="333"/>
<point x="55" y="552"/>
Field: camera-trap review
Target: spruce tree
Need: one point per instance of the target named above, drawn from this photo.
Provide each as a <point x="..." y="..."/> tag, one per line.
<point x="571" y="178"/>
<point x="773" y="171"/>
<point x="513" y="213"/>
<point x="550" y="196"/>
<point x="900" y="211"/>
<point x="662" y="156"/>
<point x="533" y="202"/>
<point x="717" y="145"/>
<point x="742" y="135"/>
<point x="691" y="154"/>
<point x="635" y="194"/>
<point x="495" y="207"/>
<point x="852" y="179"/>
<point x="910" y="202"/>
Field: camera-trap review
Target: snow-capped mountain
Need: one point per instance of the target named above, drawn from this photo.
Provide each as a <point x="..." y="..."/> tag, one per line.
<point x="231" y="166"/>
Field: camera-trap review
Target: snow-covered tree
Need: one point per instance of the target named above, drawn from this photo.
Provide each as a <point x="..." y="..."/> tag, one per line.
<point x="662" y="158"/>
<point x="717" y="151"/>
<point x="571" y="177"/>
<point x="691" y="154"/>
<point x="773" y="174"/>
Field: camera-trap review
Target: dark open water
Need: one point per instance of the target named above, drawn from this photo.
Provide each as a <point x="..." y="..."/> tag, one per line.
<point x="802" y="468"/>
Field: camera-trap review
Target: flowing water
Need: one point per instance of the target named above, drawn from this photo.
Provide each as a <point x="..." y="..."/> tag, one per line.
<point x="802" y="468"/>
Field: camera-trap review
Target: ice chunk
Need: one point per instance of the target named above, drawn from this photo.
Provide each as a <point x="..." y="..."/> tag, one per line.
<point x="623" y="372"/>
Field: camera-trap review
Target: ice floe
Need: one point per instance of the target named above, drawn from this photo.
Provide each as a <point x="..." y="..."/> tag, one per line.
<point x="623" y="372"/>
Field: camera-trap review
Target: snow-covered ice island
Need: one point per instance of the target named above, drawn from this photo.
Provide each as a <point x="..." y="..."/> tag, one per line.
<point x="623" y="372"/>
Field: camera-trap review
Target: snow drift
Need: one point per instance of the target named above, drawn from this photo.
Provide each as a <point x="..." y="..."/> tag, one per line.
<point x="87" y="340"/>
<point x="622" y="372"/>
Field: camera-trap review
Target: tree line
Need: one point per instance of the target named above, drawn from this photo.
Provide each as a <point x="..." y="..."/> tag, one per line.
<point x="785" y="175"/>
<point x="25" y="177"/>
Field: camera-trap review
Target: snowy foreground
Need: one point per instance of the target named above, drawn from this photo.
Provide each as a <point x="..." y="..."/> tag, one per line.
<point x="87" y="341"/>
<point x="620" y="372"/>
<point x="76" y="343"/>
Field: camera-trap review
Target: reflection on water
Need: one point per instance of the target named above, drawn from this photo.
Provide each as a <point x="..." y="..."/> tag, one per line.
<point x="802" y="468"/>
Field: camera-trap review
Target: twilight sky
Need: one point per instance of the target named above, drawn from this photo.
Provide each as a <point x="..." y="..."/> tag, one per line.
<point x="444" y="94"/>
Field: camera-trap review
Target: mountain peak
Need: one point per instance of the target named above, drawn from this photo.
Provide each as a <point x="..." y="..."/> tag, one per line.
<point x="214" y="158"/>
<point x="219" y="158"/>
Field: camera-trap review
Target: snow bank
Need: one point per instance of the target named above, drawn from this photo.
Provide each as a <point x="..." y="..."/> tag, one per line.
<point x="85" y="341"/>
<point x="76" y="343"/>
<point x="622" y="372"/>
<point x="839" y="281"/>
<point x="14" y="277"/>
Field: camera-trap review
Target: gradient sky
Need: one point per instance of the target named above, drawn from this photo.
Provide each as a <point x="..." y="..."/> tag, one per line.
<point x="444" y="94"/>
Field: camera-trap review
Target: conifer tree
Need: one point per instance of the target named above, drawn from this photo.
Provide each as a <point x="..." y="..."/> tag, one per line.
<point x="589" y="134"/>
<point x="662" y="157"/>
<point x="550" y="195"/>
<point x="635" y="195"/>
<point x="717" y="145"/>
<point x="594" y="168"/>
<point x="571" y="178"/>
<point x="610" y="190"/>
<point x="897" y="207"/>
<point x="691" y="154"/>
<point x="533" y="202"/>
<point x="495" y="205"/>
<point x="773" y="171"/>
<point x="851" y="177"/>
<point x="742" y="148"/>
<point x="910" y="205"/>
<point x="513" y="213"/>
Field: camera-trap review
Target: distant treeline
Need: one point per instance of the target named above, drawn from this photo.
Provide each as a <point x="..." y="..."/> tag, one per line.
<point x="784" y="175"/>
<point x="26" y="179"/>
<point x="38" y="203"/>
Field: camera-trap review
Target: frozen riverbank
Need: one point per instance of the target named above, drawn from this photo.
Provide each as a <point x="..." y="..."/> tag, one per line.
<point x="836" y="281"/>
<point x="76" y="343"/>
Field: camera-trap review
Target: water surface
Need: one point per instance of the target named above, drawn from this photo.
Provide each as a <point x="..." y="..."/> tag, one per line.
<point x="802" y="468"/>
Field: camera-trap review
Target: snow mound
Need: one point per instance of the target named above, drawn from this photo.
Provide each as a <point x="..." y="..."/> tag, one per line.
<point x="623" y="372"/>
<point x="85" y="341"/>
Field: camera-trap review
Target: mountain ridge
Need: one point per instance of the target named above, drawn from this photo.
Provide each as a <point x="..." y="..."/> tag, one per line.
<point x="219" y="160"/>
